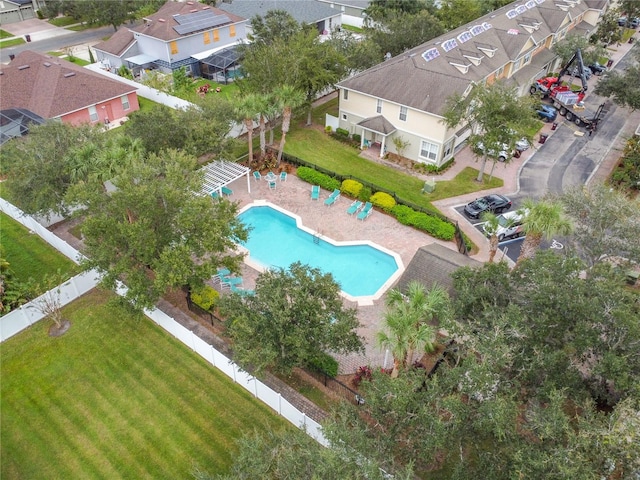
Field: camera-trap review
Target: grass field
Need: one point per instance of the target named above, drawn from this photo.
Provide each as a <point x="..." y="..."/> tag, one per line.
<point x="28" y="255"/>
<point x="116" y="397"/>
<point x="318" y="148"/>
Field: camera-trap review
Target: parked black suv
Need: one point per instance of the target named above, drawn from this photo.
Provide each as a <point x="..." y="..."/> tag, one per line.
<point x="597" y="69"/>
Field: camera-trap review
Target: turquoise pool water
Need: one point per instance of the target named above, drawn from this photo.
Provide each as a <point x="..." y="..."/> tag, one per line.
<point x="276" y="241"/>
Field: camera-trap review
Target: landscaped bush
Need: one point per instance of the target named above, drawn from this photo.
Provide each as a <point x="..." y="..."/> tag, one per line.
<point x="351" y="188"/>
<point x="434" y="226"/>
<point x="316" y="178"/>
<point x="325" y="363"/>
<point x="356" y="137"/>
<point x="341" y="132"/>
<point x="627" y="173"/>
<point x="383" y="200"/>
<point x="328" y="129"/>
<point x="205" y="297"/>
<point x="365" y="194"/>
<point x="428" y="168"/>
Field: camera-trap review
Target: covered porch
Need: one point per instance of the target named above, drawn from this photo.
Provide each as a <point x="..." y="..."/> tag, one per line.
<point x="375" y="131"/>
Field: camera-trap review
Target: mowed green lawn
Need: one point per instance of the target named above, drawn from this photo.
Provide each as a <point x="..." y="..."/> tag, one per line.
<point x="28" y="255"/>
<point x="116" y="397"/>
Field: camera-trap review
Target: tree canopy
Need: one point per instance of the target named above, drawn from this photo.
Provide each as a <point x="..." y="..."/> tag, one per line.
<point x="294" y="317"/>
<point x="153" y="231"/>
<point x="622" y="87"/>
<point x="606" y="224"/>
<point x="498" y="118"/>
<point x="541" y="381"/>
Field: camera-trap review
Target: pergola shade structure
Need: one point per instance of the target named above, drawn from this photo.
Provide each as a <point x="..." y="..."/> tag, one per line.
<point x="221" y="66"/>
<point x="220" y="174"/>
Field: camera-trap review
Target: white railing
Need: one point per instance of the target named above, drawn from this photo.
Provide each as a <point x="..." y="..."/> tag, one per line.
<point x="16" y="321"/>
<point x="30" y="313"/>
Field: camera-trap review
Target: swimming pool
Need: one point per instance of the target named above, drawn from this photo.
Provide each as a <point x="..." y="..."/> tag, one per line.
<point x="278" y="238"/>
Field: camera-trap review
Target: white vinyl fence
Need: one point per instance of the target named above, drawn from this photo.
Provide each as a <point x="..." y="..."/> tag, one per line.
<point x="16" y="321"/>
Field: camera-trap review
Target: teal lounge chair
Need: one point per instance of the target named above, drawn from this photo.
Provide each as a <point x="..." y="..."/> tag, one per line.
<point x="283" y="176"/>
<point x="215" y="195"/>
<point x="354" y="207"/>
<point x="257" y="177"/>
<point x="227" y="191"/>
<point x="315" y="192"/>
<point x="366" y="211"/>
<point x="333" y="198"/>
<point x="272" y="185"/>
<point x="242" y="291"/>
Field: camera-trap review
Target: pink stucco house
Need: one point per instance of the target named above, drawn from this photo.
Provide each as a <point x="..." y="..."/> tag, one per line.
<point x="54" y="88"/>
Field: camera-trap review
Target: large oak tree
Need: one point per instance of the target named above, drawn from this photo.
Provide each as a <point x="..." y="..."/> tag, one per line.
<point x="294" y="317"/>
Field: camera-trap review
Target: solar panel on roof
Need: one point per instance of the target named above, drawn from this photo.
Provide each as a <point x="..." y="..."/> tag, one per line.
<point x="192" y="17"/>
<point x="194" y="22"/>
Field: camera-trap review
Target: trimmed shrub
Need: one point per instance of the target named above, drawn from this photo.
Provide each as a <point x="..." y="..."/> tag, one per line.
<point x="351" y="188"/>
<point x="383" y="200"/>
<point x="356" y="137"/>
<point x="328" y="129"/>
<point x="434" y="226"/>
<point x="314" y="177"/>
<point x="342" y="132"/>
<point x="205" y="297"/>
<point x="365" y="194"/>
<point x="325" y="363"/>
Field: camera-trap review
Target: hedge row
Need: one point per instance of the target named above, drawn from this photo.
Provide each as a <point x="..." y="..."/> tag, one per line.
<point x="316" y="178"/>
<point x="434" y="226"/>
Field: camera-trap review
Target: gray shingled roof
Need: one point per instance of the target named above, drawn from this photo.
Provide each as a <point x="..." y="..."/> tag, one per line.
<point x="410" y="80"/>
<point x="303" y="11"/>
<point x="378" y="124"/>
<point x="50" y="87"/>
<point x="118" y="43"/>
<point x="434" y="263"/>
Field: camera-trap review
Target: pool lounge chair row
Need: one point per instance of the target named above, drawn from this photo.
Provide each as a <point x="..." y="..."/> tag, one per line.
<point x="363" y="214"/>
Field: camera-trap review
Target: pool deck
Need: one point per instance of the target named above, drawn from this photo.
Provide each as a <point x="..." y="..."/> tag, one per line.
<point x="333" y="221"/>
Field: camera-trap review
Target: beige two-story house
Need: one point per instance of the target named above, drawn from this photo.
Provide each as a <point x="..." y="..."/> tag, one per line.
<point x="405" y="96"/>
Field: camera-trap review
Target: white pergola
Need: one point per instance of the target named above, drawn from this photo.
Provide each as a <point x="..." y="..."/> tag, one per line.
<point x="220" y="173"/>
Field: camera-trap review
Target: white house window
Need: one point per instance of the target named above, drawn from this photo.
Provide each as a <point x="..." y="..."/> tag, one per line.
<point x="93" y="114"/>
<point x="345" y="95"/>
<point x="344" y="116"/>
<point x="125" y="102"/>
<point x="379" y="106"/>
<point x="429" y="151"/>
<point x="403" y="114"/>
<point x="527" y="58"/>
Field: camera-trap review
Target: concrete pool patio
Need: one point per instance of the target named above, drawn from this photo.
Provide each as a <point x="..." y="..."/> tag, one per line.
<point x="333" y="221"/>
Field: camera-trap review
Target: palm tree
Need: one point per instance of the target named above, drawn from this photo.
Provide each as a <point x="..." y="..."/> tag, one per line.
<point x="288" y="99"/>
<point x="544" y="219"/>
<point x="246" y="110"/>
<point x="492" y="226"/>
<point x="408" y="322"/>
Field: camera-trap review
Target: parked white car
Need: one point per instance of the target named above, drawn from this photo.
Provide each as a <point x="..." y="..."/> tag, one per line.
<point x="509" y="225"/>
